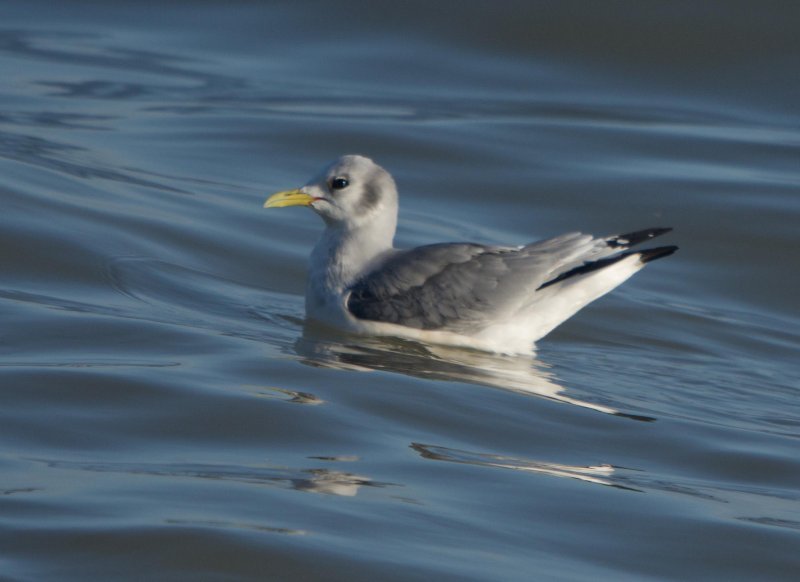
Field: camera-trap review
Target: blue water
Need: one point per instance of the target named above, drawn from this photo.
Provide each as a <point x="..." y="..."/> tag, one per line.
<point x="168" y="414"/>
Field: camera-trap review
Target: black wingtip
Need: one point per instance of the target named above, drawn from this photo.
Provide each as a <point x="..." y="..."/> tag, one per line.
<point x="645" y="256"/>
<point x="634" y="238"/>
<point x="648" y="255"/>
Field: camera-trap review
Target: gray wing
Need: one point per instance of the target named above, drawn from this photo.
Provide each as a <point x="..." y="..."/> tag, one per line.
<point x="462" y="287"/>
<point x="455" y="287"/>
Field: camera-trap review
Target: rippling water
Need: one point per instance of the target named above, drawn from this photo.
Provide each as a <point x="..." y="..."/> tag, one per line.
<point x="166" y="412"/>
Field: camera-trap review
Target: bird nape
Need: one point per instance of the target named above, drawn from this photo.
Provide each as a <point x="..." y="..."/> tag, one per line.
<point x="495" y="298"/>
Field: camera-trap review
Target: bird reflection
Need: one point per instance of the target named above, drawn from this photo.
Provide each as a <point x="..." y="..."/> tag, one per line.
<point x="311" y="480"/>
<point x="323" y="347"/>
<point x="598" y="474"/>
<point x="332" y="482"/>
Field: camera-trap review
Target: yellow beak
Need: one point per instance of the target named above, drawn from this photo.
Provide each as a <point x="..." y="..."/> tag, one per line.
<point x="288" y="198"/>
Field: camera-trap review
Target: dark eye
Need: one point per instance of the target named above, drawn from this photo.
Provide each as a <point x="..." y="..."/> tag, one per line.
<point x="339" y="183"/>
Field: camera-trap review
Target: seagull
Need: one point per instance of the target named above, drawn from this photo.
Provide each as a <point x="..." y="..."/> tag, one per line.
<point x="493" y="298"/>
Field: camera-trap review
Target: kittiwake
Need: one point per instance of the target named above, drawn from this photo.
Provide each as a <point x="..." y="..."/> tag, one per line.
<point x="494" y="298"/>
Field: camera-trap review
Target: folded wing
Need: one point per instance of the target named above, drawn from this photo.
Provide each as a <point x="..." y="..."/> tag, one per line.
<point x="463" y="287"/>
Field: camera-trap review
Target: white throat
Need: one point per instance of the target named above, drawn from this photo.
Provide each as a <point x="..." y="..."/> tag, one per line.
<point x="342" y="255"/>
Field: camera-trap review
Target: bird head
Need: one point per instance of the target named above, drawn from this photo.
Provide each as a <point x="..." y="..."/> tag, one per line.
<point x="350" y="193"/>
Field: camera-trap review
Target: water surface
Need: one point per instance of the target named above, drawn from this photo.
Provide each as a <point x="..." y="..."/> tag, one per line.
<point x="168" y="414"/>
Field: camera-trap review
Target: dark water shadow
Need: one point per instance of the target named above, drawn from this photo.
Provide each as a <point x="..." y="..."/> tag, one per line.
<point x="97" y="52"/>
<point x="70" y="159"/>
